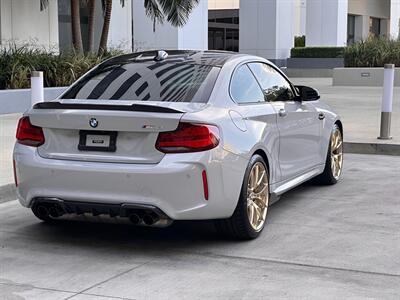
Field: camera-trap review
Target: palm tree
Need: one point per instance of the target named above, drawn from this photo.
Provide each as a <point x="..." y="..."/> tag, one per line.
<point x="75" y="23"/>
<point x="76" y="26"/>
<point x="175" y="12"/>
<point x="107" y="9"/>
<point x="91" y="6"/>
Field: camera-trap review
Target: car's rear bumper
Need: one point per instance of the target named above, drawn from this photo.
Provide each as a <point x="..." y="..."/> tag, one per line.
<point x="174" y="185"/>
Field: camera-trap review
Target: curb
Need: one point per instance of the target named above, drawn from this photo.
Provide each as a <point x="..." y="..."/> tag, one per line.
<point x="7" y="193"/>
<point x="372" y="148"/>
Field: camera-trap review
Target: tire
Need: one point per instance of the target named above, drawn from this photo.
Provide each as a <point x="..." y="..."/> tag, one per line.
<point x="330" y="176"/>
<point x="238" y="225"/>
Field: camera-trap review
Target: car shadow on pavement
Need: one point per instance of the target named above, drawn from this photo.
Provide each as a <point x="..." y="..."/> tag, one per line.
<point x="99" y="232"/>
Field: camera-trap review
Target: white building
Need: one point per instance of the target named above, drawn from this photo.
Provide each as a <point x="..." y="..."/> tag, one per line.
<point x="262" y="27"/>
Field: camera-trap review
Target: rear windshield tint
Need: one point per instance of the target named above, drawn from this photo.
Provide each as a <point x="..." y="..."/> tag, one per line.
<point x="147" y="81"/>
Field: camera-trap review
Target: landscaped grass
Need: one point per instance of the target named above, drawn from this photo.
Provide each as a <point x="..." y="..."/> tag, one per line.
<point x="59" y="69"/>
<point x="373" y="52"/>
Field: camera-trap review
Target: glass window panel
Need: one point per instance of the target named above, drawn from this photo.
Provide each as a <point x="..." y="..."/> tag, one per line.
<point x="244" y="87"/>
<point x="273" y="84"/>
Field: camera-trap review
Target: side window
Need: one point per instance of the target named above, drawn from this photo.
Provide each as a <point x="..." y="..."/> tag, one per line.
<point x="274" y="85"/>
<point x="244" y="87"/>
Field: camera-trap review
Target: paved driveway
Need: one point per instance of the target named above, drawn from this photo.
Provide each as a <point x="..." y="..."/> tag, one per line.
<point x="320" y="242"/>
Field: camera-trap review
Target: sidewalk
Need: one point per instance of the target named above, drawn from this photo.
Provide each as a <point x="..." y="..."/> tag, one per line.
<point x="8" y="125"/>
<point x="359" y="107"/>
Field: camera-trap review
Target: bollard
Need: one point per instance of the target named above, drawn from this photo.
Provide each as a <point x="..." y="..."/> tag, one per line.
<point x="387" y="101"/>
<point x="37" y="87"/>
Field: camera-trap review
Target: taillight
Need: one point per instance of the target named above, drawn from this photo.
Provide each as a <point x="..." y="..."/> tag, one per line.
<point x="188" y="138"/>
<point x="28" y="134"/>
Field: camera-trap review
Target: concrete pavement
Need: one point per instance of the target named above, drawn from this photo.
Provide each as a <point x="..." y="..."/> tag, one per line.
<point x="334" y="242"/>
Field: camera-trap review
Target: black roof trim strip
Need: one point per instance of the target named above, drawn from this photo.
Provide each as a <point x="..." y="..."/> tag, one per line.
<point x="84" y="106"/>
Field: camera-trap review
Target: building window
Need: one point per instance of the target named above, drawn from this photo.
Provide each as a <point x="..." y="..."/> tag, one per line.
<point x="375" y="27"/>
<point x="351" y="29"/>
<point x="223" y="29"/>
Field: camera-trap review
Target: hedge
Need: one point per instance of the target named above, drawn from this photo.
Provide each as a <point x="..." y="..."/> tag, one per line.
<point x="60" y="69"/>
<point x="373" y="52"/>
<point x="299" y="41"/>
<point x="317" y="52"/>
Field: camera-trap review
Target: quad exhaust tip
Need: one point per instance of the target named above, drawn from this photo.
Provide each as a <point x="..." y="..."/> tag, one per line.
<point x="52" y="210"/>
<point x="42" y="211"/>
<point x="135" y="219"/>
<point x="150" y="219"/>
<point x="142" y="215"/>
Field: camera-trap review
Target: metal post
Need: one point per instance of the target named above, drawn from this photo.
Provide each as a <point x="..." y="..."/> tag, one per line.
<point x="387" y="102"/>
<point x="37" y="87"/>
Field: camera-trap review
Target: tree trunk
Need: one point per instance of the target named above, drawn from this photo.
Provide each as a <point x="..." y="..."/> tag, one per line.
<point x="76" y="26"/>
<point x="106" y="27"/>
<point x="92" y="8"/>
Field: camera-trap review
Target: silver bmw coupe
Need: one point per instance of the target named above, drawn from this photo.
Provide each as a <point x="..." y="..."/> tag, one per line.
<point x="160" y="136"/>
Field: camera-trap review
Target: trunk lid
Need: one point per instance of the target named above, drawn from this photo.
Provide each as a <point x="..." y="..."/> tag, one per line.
<point x="68" y="126"/>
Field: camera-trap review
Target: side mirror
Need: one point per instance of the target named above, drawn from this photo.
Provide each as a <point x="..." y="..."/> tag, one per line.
<point x="307" y="93"/>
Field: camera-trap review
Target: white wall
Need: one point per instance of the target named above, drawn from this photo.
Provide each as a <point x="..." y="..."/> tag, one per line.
<point x="326" y="23"/>
<point x="194" y="35"/>
<point x="300" y="17"/>
<point x="120" y="34"/>
<point x="266" y="28"/>
<point x="394" y="19"/>
<point x="224" y="4"/>
<point x="22" y="21"/>
<point x="19" y="100"/>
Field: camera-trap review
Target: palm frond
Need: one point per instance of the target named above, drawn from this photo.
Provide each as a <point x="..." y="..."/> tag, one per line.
<point x="103" y="3"/>
<point x="179" y="11"/>
<point x="154" y="11"/>
<point x="44" y="4"/>
<point x="175" y="12"/>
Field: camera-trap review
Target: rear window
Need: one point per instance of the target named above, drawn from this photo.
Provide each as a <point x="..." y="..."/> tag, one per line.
<point x="146" y="81"/>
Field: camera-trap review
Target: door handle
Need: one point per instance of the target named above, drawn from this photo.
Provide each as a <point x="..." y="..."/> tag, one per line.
<point x="282" y="112"/>
<point x="321" y="116"/>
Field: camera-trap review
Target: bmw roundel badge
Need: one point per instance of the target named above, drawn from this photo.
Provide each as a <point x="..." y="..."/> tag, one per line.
<point x="93" y="122"/>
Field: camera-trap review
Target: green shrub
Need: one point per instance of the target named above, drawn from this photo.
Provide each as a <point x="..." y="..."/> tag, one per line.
<point x="373" y="52"/>
<point x="59" y="69"/>
<point x="299" y="41"/>
<point x="317" y="52"/>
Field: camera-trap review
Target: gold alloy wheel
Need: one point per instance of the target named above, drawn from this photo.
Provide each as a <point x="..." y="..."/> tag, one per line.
<point x="336" y="153"/>
<point x="257" y="196"/>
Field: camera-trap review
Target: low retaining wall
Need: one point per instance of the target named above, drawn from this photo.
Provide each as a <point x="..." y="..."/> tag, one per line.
<point x="309" y="73"/>
<point x="312" y="67"/>
<point x="362" y="76"/>
<point x="314" y="63"/>
<point x="18" y="101"/>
